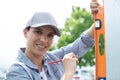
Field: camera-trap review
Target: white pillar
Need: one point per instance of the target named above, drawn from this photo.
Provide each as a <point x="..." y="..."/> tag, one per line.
<point x="112" y="28"/>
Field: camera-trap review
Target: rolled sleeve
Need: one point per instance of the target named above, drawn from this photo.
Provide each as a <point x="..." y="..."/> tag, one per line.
<point x="80" y="46"/>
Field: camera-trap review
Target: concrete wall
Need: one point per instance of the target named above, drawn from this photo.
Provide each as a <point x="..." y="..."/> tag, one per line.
<point x="112" y="28"/>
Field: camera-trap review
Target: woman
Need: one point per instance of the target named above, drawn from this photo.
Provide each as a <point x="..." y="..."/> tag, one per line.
<point x="32" y="62"/>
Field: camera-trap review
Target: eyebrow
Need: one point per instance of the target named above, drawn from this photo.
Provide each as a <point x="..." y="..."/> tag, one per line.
<point x="37" y="28"/>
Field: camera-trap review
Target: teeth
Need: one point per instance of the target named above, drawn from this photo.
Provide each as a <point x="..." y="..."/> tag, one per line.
<point x="42" y="46"/>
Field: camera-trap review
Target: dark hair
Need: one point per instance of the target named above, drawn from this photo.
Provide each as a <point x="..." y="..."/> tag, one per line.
<point x="28" y="28"/>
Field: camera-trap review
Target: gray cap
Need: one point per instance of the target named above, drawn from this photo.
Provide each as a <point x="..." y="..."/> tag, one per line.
<point x="41" y="19"/>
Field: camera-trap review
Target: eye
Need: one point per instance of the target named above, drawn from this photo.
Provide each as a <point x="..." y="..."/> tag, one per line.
<point x="51" y="35"/>
<point x="38" y="32"/>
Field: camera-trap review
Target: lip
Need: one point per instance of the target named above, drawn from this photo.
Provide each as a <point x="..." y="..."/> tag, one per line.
<point x="41" y="48"/>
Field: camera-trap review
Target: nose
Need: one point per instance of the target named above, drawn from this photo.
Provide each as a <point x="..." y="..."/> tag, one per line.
<point x="43" y="38"/>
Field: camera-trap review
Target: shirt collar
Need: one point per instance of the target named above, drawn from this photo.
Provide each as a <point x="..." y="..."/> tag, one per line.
<point x="22" y="58"/>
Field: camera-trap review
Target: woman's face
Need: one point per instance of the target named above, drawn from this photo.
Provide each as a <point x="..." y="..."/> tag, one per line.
<point x="39" y="39"/>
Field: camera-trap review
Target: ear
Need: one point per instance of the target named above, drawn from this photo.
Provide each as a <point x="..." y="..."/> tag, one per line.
<point x="25" y="31"/>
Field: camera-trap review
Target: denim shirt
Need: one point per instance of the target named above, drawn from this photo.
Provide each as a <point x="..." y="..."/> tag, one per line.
<point x="24" y="69"/>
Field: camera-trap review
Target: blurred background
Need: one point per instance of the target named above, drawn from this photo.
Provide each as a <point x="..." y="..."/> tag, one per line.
<point x="73" y="18"/>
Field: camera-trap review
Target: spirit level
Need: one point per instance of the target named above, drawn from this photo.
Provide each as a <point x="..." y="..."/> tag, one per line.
<point x="99" y="35"/>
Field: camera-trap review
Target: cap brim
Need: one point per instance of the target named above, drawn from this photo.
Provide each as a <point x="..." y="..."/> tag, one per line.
<point x="57" y="32"/>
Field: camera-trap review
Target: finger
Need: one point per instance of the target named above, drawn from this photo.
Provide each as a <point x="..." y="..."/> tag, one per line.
<point x="94" y="5"/>
<point x="74" y="56"/>
<point x="71" y="55"/>
<point x="77" y="61"/>
<point x="93" y="0"/>
<point x="95" y="10"/>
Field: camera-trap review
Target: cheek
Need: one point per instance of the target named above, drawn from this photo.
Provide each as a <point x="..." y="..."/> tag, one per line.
<point x="50" y="42"/>
<point x="30" y="39"/>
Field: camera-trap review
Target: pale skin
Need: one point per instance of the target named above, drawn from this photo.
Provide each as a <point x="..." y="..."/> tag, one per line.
<point x="39" y="41"/>
<point x="69" y="63"/>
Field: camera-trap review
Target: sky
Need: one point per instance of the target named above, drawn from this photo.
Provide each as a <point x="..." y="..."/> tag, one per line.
<point x="14" y="15"/>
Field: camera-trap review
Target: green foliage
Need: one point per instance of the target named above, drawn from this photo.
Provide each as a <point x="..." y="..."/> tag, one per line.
<point x="79" y="21"/>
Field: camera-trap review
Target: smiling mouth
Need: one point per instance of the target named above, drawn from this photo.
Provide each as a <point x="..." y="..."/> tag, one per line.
<point x="41" y="47"/>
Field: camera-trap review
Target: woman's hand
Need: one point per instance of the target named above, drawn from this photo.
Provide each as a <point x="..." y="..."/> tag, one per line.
<point x="69" y="63"/>
<point x="94" y="6"/>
